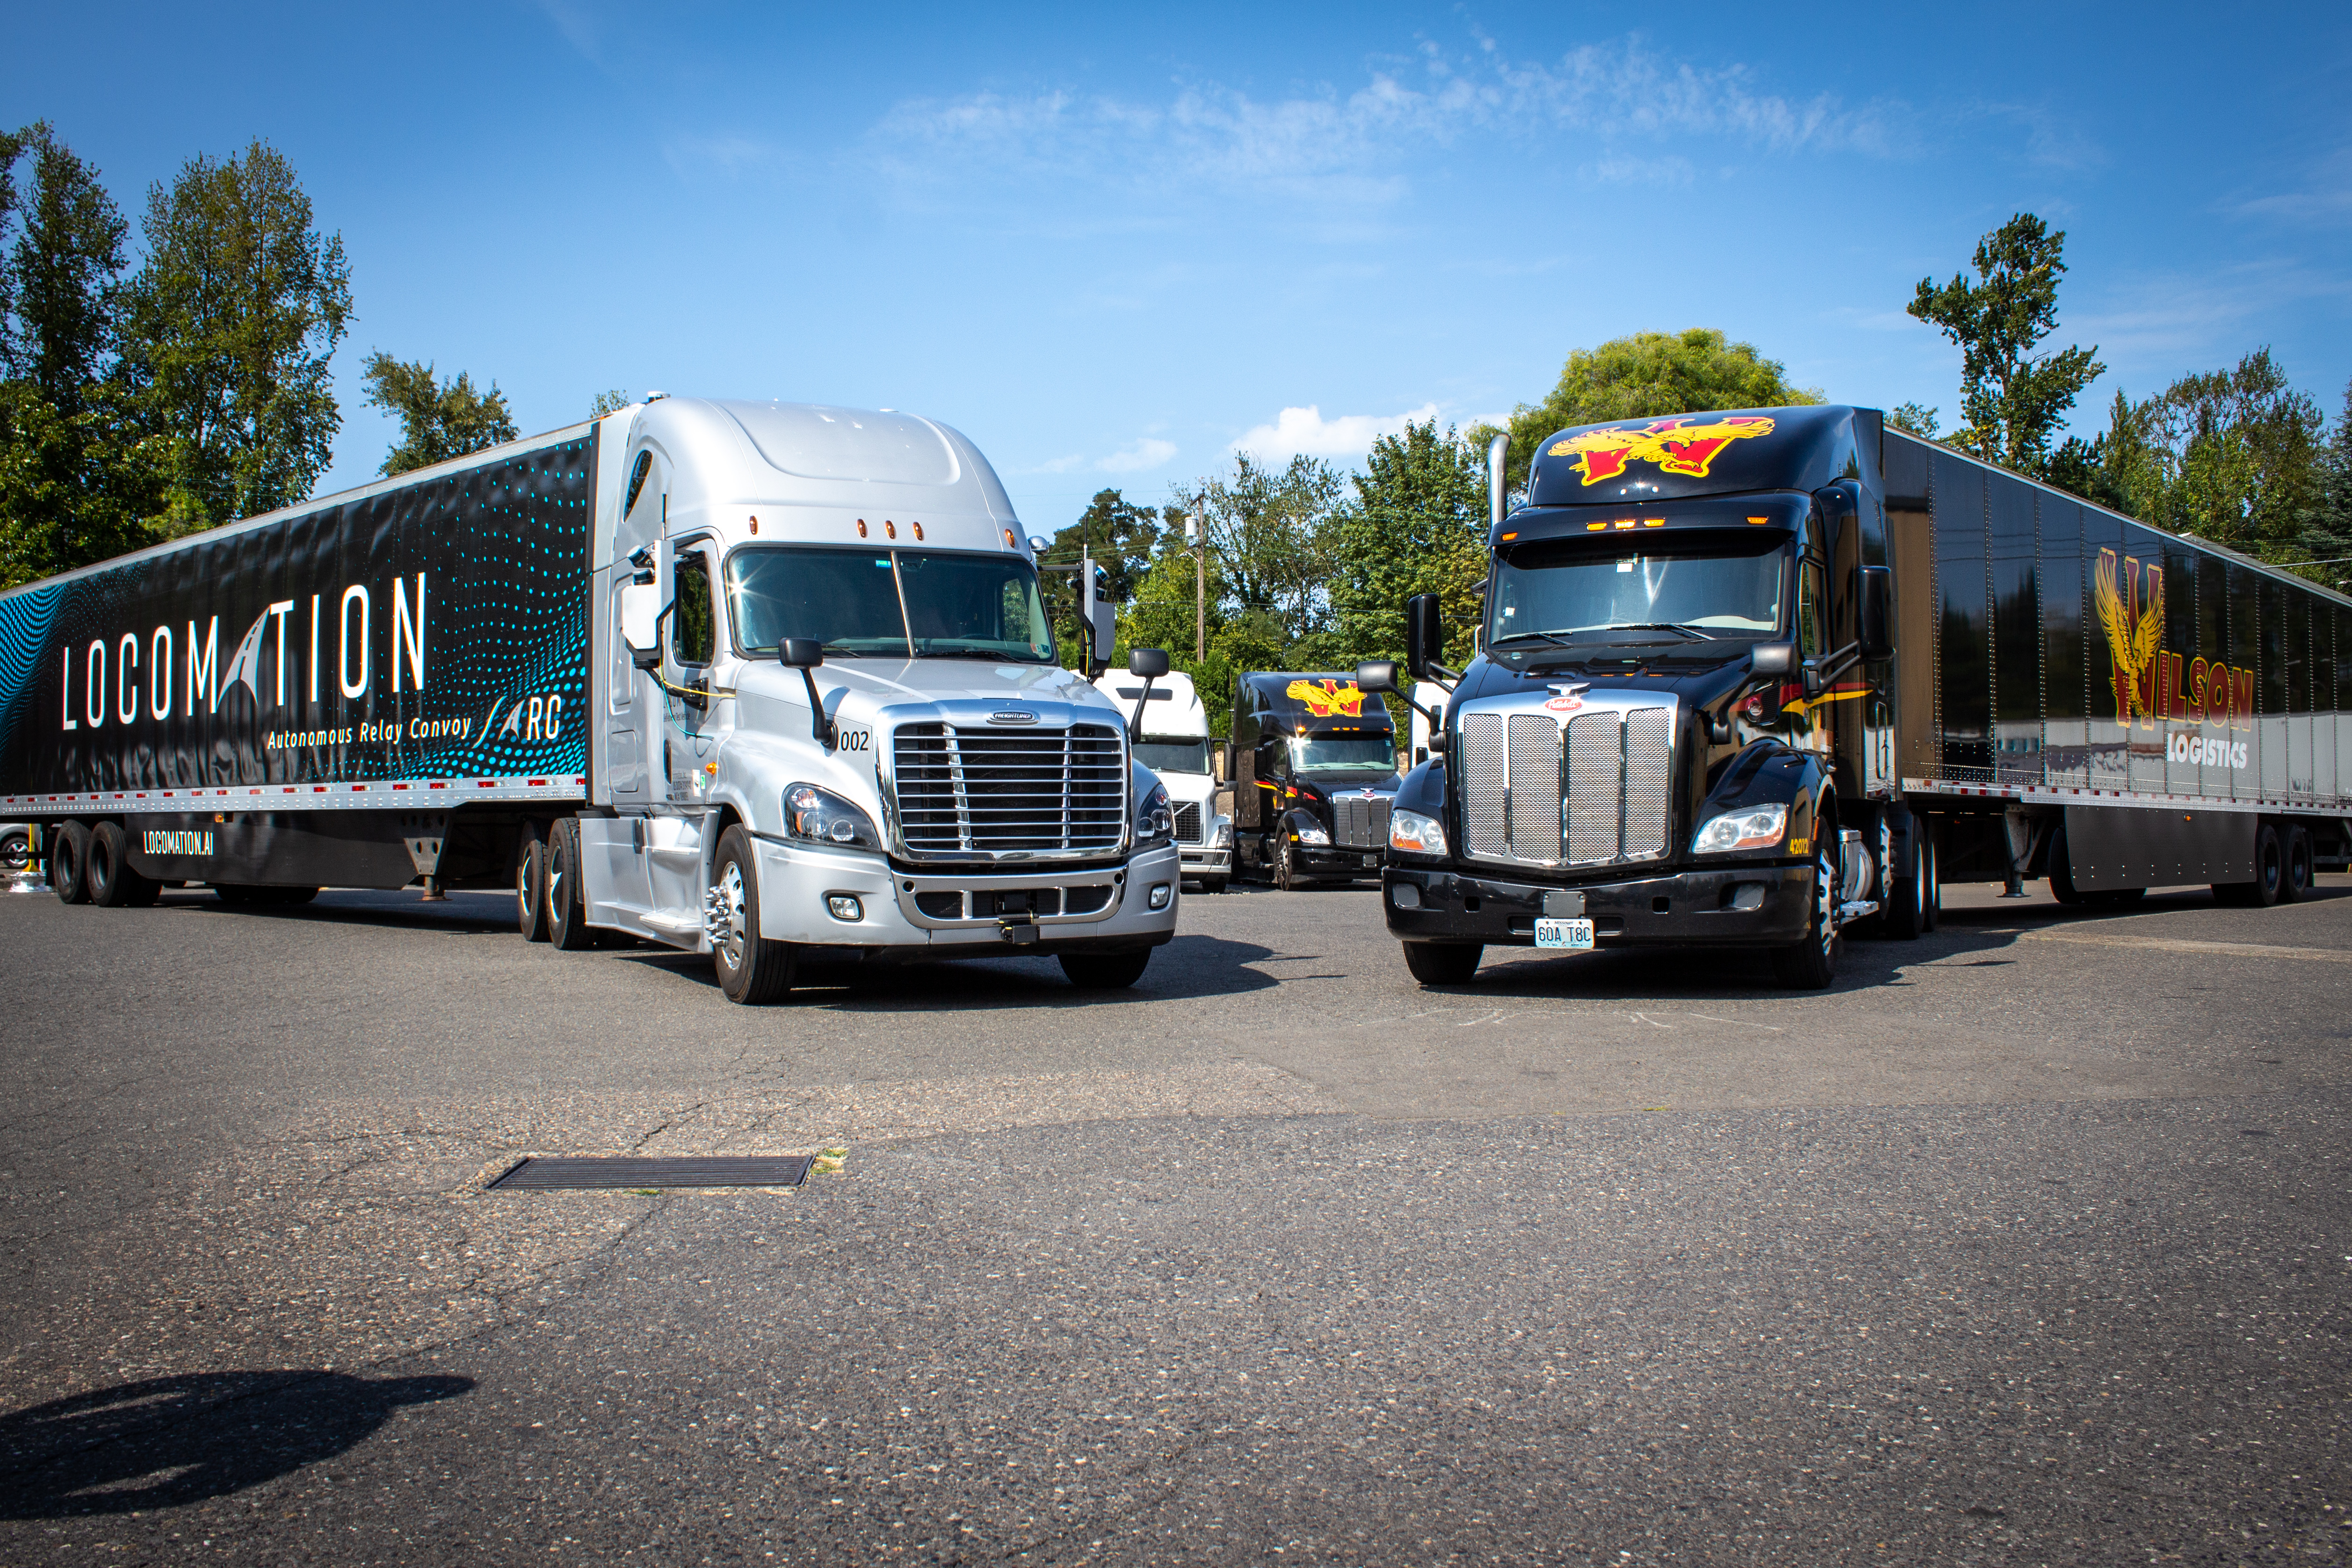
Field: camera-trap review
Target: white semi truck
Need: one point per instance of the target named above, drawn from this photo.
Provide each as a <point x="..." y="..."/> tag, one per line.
<point x="1174" y="744"/>
<point x="767" y="681"/>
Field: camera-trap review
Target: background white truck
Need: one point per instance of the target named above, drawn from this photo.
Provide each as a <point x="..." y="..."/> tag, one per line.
<point x="1175" y="746"/>
<point x="767" y="681"/>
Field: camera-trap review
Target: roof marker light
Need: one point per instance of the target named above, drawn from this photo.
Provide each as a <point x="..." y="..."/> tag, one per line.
<point x="1512" y="535"/>
<point x="1008" y="540"/>
<point x="1760" y="519"/>
<point x="1594" y="527"/>
<point x="861" y="528"/>
<point x="889" y="528"/>
<point x="918" y="533"/>
<point x="1654" y="522"/>
<point x="755" y="525"/>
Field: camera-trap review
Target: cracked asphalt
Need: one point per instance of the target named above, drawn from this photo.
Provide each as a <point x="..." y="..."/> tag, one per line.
<point x="2027" y="1243"/>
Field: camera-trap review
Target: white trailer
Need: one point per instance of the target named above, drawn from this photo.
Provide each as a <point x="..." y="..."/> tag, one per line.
<point x="1175" y="727"/>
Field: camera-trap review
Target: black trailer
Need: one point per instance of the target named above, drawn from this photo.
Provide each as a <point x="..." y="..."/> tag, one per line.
<point x="1314" y="771"/>
<point x="385" y="689"/>
<point x="1757" y="678"/>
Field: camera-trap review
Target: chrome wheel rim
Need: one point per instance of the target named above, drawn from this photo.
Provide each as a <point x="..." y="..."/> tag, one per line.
<point x="1825" y="902"/>
<point x="730" y="923"/>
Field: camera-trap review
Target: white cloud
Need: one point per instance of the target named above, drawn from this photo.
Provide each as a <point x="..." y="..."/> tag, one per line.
<point x="1305" y="430"/>
<point x="1059" y="464"/>
<point x="1147" y="452"/>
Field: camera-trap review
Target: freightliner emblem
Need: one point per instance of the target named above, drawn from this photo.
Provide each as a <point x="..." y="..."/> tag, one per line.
<point x="1012" y="715"/>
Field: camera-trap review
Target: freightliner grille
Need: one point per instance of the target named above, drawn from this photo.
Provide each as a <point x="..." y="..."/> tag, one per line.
<point x="1592" y="792"/>
<point x="1188" y="822"/>
<point x="961" y="791"/>
<point x="1362" y="824"/>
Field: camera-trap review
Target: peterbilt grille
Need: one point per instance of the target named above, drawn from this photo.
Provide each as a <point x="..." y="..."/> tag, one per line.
<point x="1188" y="822"/>
<point x="1592" y="792"/>
<point x="1362" y="824"/>
<point x="961" y="791"/>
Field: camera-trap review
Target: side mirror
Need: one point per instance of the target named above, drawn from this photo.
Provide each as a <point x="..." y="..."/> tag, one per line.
<point x="805" y="654"/>
<point x="1812" y="679"/>
<point x="1498" y="452"/>
<point x="641" y="624"/>
<point x="1424" y="635"/>
<point x="1150" y="663"/>
<point x="1105" y="631"/>
<point x="1377" y="675"/>
<point x="641" y="562"/>
<point x="1874" y="612"/>
<point x="1772" y="658"/>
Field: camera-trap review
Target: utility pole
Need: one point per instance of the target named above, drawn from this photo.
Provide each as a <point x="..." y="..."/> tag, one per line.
<point x="1193" y="535"/>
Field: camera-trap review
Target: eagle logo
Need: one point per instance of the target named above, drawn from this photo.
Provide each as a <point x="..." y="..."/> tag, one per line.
<point x="2135" y="628"/>
<point x="1683" y="445"/>
<point x="1328" y="697"/>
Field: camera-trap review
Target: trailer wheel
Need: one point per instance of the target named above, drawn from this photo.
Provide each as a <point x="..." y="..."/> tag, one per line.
<point x="752" y="969"/>
<point x="530" y="884"/>
<point x="69" y="857"/>
<point x="567" y="906"/>
<point x="1444" y="963"/>
<point x="1105" y="971"/>
<point x="2270" y="873"/>
<point x="113" y="884"/>
<point x="2062" y="868"/>
<point x="1810" y="964"/>
<point x="2296" y="883"/>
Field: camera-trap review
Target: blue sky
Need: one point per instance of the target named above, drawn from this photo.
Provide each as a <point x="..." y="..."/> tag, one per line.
<point x="1112" y="243"/>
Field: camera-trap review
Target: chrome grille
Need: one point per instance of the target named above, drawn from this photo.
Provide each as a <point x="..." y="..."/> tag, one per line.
<point x="990" y="792"/>
<point x="1362" y="824"/>
<point x="1188" y="822"/>
<point x="1595" y="792"/>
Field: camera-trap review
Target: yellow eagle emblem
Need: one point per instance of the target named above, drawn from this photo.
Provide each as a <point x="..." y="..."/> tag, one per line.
<point x="2135" y="629"/>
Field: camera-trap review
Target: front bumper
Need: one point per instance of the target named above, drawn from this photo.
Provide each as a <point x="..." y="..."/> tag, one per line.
<point x="1691" y="908"/>
<point x="1335" y="860"/>
<point x="1204" y="859"/>
<point x="965" y="913"/>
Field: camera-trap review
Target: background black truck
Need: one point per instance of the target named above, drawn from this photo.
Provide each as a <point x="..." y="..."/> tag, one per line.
<point x="1314" y="771"/>
<point x="1750" y="679"/>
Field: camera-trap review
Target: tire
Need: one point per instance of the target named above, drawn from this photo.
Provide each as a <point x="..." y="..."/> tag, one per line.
<point x="2295" y="885"/>
<point x="16" y="849"/>
<point x="753" y="970"/>
<point x="1934" y="876"/>
<point x="567" y="905"/>
<point x="1285" y="867"/>
<point x="530" y="884"/>
<point x="69" y="861"/>
<point x="1810" y="964"/>
<point x="293" y="896"/>
<point x="1212" y="884"/>
<point x="2270" y="871"/>
<point x="1904" y="916"/>
<point x="1444" y="963"/>
<point x="113" y="884"/>
<point x="1105" y="971"/>
<point x="236" y="894"/>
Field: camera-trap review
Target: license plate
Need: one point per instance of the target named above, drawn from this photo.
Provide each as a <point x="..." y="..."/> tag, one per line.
<point x="1572" y="934"/>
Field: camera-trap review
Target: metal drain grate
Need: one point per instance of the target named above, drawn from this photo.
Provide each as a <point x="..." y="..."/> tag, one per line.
<point x="748" y="1170"/>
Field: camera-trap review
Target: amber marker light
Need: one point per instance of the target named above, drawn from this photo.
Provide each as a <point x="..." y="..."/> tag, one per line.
<point x="1514" y="534"/>
<point x="1760" y="519"/>
<point x="889" y="528"/>
<point x="1594" y="527"/>
<point x="861" y="528"/>
<point x="755" y="525"/>
<point x="1654" y="522"/>
<point x="1008" y="540"/>
<point x="919" y="532"/>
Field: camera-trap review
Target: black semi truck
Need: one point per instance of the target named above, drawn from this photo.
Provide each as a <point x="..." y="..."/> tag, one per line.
<point x="1758" y="679"/>
<point x="1314" y="771"/>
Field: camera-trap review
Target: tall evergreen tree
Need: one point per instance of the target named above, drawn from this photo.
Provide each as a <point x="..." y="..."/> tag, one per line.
<point x="2012" y="403"/>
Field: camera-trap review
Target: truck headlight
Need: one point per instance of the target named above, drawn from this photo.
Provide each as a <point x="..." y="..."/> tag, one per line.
<point x="1224" y="833"/>
<point x="1416" y="834"/>
<point x="1154" y="824"/>
<point x="1309" y="833"/>
<point x="1755" y="828"/>
<point x="821" y="816"/>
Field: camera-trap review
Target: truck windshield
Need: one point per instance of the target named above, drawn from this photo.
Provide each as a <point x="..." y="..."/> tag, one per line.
<point x="1343" y="753"/>
<point x="1163" y="756"/>
<point x="906" y="604"/>
<point x="1698" y="586"/>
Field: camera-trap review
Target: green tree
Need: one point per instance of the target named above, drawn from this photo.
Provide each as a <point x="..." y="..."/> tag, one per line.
<point x="79" y="477"/>
<point x="2234" y="455"/>
<point x="437" y="421"/>
<point x="1417" y="525"/>
<point x="1119" y="537"/>
<point x="2329" y="539"/>
<point x="1269" y="531"/>
<point x="1916" y="418"/>
<point x="1643" y="376"/>
<point x="229" y="332"/>
<point x="2012" y="403"/>
<point x="612" y="402"/>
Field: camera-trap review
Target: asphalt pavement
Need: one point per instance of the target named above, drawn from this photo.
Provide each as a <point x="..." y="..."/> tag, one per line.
<point x="2026" y="1243"/>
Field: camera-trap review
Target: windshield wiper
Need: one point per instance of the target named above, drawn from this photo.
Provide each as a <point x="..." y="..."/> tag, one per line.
<point x="1663" y="626"/>
<point x="974" y="651"/>
<point x="1532" y="636"/>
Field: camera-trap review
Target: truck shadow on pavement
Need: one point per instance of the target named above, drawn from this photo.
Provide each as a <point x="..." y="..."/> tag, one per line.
<point x="1191" y="965"/>
<point x="169" y="1441"/>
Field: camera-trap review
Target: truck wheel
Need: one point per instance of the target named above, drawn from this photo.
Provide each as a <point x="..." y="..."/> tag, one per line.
<point x="16" y="849"/>
<point x="1444" y="963"/>
<point x="567" y="906"/>
<point x="1105" y="971"/>
<point x="69" y="858"/>
<point x="1907" y="915"/>
<point x="113" y="884"/>
<point x="1285" y="865"/>
<point x="2297" y="883"/>
<point x="1212" y="884"/>
<point x="530" y="884"/>
<point x="753" y="970"/>
<point x="1811" y="963"/>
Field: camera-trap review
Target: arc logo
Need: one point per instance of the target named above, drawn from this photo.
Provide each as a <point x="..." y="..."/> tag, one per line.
<point x="1327" y="697"/>
<point x="1683" y="445"/>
